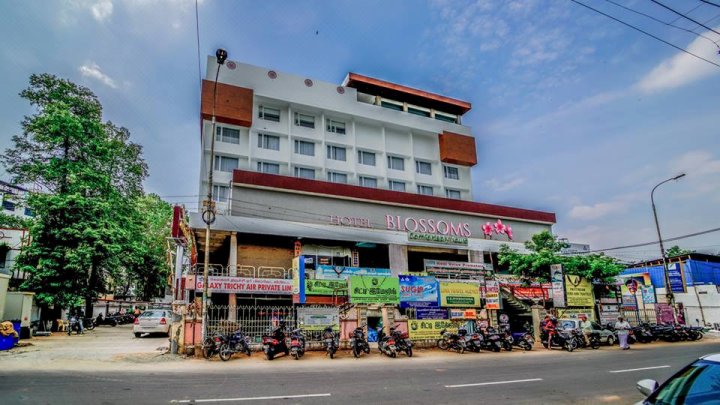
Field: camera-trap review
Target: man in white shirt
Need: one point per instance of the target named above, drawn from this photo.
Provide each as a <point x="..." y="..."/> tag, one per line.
<point x="586" y="328"/>
<point x="623" y="329"/>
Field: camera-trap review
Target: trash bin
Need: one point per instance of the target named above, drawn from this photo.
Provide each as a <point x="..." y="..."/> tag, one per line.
<point x="7" y="342"/>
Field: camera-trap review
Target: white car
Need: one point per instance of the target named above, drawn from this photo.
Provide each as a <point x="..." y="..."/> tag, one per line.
<point x="606" y="335"/>
<point x="153" y="321"/>
<point x="697" y="383"/>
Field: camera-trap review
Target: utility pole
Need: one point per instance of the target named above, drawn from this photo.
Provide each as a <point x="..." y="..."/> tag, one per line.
<point x="208" y="214"/>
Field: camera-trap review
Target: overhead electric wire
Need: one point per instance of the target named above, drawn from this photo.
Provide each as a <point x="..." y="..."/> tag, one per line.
<point x="690" y="235"/>
<point x="687" y="12"/>
<point x="662" y="22"/>
<point x="646" y="33"/>
<point x="197" y="37"/>
<point x="684" y="16"/>
<point x="710" y="3"/>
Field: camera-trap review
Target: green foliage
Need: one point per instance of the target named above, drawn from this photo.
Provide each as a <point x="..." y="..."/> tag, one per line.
<point x="90" y="231"/>
<point x="544" y="251"/>
<point x="677" y="251"/>
<point x="14" y="221"/>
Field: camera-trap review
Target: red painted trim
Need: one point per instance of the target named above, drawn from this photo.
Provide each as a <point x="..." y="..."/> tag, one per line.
<point x="387" y="196"/>
<point x="354" y="79"/>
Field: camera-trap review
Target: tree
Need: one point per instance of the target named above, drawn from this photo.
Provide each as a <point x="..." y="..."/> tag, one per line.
<point x="85" y="228"/>
<point x="544" y="251"/>
<point x="14" y="221"/>
<point x="677" y="251"/>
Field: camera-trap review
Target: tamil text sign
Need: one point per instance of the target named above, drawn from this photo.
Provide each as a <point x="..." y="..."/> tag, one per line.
<point x="326" y="272"/>
<point x="454" y="294"/>
<point x="374" y="290"/>
<point x="326" y="287"/>
<point x="430" y="328"/>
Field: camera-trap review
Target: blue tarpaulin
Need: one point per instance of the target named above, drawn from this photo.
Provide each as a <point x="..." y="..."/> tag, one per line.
<point x="696" y="272"/>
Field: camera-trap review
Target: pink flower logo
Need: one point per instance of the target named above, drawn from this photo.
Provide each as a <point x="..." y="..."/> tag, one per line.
<point x="499" y="227"/>
<point x="508" y="231"/>
<point x="487" y="230"/>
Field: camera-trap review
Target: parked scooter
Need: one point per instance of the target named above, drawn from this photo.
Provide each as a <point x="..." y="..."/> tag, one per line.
<point x="74" y="325"/>
<point x="451" y="341"/>
<point x="643" y="333"/>
<point x="235" y="342"/>
<point x="331" y="340"/>
<point x="274" y="343"/>
<point x="358" y="343"/>
<point x="473" y="342"/>
<point x="561" y="338"/>
<point x="524" y="340"/>
<point x="386" y="344"/>
<point x="297" y="344"/>
<point x="402" y="341"/>
<point x="492" y="340"/>
<point x="593" y="339"/>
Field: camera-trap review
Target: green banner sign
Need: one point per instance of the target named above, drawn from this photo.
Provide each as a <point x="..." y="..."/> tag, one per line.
<point x="432" y="237"/>
<point x="326" y="287"/>
<point x="374" y="290"/>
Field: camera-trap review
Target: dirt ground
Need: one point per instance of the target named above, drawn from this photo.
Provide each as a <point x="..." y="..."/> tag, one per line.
<point x="108" y="348"/>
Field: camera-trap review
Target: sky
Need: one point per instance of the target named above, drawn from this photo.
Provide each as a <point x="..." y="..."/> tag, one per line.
<point x="573" y="113"/>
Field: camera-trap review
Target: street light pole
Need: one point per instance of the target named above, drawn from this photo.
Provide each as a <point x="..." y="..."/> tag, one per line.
<point x="209" y="205"/>
<point x="668" y="288"/>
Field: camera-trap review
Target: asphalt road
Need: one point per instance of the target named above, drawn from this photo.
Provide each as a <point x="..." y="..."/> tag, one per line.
<point x="538" y="377"/>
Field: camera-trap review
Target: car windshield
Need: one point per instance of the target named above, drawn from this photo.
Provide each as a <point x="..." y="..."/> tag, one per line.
<point x="698" y="383"/>
<point x="567" y="324"/>
<point x="152" y="314"/>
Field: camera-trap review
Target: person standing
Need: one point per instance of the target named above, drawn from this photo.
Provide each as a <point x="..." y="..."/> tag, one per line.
<point x="623" y="329"/>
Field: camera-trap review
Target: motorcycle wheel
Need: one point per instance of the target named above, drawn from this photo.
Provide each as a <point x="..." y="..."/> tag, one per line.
<point x="393" y="355"/>
<point x="113" y="323"/>
<point x="91" y="326"/>
<point x="595" y="344"/>
<point x="296" y="355"/>
<point x="269" y="355"/>
<point x="409" y="352"/>
<point x="570" y="346"/>
<point x="442" y="344"/>
<point x="225" y="352"/>
<point x="699" y="336"/>
<point x="207" y="347"/>
<point x="137" y="334"/>
<point x="332" y="354"/>
<point x="610" y="341"/>
<point x="507" y="346"/>
<point x="367" y="349"/>
<point x="528" y="346"/>
<point x="356" y="352"/>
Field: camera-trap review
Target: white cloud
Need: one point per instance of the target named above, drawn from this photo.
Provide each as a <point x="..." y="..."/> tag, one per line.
<point x="506" y="184"/>
<point x="602" y="209"/>
<point x="682" y="68"/>
<point x="92" y="70"/>
<point x="102" y="10"/>
<point x="696" y="163"/>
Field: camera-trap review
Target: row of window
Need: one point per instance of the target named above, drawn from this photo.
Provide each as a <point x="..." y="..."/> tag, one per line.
<point x="301" y="120"/>
<point x="8" y="205"/>
<point x="222" y="193"/>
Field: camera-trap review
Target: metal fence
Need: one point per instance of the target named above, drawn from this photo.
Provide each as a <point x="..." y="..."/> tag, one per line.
<point x="254" y="320"/>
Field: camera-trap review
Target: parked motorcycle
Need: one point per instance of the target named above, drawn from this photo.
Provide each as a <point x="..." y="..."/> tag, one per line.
<point x="593" y="339"/>
<point x="297" y="344"/>
<point x="561" y="338"/>
<point x="331" y="340"/>
<point x="358" y="343"/>
<point x="451" y="341"/>
<point x="402" y="341"/>
<point x="386" y="344"/>
<point x="74" y="325"/>
<point x="643" y="333"/>
<point x="492" y="341"/>
<point x="211" y="345"/>
<point x="274" y="343"/>
<point x="695" y="332"/>
<point x="106" y="320"/>
<point x="232" y="343"/>
<point x="473" y="342"/>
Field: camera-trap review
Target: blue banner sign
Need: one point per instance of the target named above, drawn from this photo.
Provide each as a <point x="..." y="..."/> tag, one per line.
<point x="676" y="278"/>
<point x="418" y="291"/>
<point x="325" y="272"/>
<point x="431" y="313"/>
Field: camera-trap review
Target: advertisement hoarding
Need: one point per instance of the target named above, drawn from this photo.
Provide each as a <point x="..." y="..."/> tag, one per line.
<point x="243" y="285"/>
<point x="317" y="319"/>
<point x="418" y="291"/>
<point x="558" y="285"/>
<point x="326" y="272"/>
<point x="326" y="287"/>
<point x="455" y="294"/>
<point x="492" y="294"/>
<point x="431" y="328"/>
<point x="374" y="290"/>
<point x="431" y="313"/>
<point x="579" y="292"/>
<point x="677" y="283"/>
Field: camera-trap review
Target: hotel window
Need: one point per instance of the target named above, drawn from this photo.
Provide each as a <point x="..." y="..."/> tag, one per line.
<point x="368" y="182"/>
<point x="423" y="167"/>
<point x="396" y="163"/>
<point x="266" y="141"/>
<point x="271" y="168"/>
<point x="8" y="205"/>
<point x="451" y="172"/>
<point x="366" y="158"/>
<point x="397" y="185"/>
<point x="220" y="193"/>
<point x="336" y="153"/>
<point x="305" y="173"/>
<point x="419" y="111"/>
<point x="227" y="135"/>
<point x="336" y="127"/>
<point x="225" y="164"/>
<point x="454" y="194"/>
<point x="391" y="105"/>
<point x="305" y="148"/>
<point x="304" y="120"/>
<point x="269" y="114"/>
<point x="425" y="190"/>
<point x="445" y="117"/>
<point x="336" y="177"/>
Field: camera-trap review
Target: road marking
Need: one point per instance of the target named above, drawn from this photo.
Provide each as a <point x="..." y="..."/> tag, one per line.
<point x="637" y="369"/>
<point x="493" y="383"/>
<point x="197" y="401"/>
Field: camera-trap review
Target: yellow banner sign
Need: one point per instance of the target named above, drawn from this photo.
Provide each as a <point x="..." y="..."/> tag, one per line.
<point x="430" y="328"/>
<point x="459" y="294"/>
<point x="579" y="292"/>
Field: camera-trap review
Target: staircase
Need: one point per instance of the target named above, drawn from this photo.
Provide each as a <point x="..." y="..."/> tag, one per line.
<point x="518" y="305"/>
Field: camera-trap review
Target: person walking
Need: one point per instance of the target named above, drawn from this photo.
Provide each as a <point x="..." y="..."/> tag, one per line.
<point x="623" y="329"/>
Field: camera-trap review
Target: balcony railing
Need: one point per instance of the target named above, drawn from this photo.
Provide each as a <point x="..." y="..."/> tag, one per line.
<point x="242" y="271"/>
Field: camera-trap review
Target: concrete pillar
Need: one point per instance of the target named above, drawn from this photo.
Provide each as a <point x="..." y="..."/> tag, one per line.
<point x="537" y="317"/>
<point x="4" y="282"/>
<point x="232" y="267"/>
<point x="398" y="256"/>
